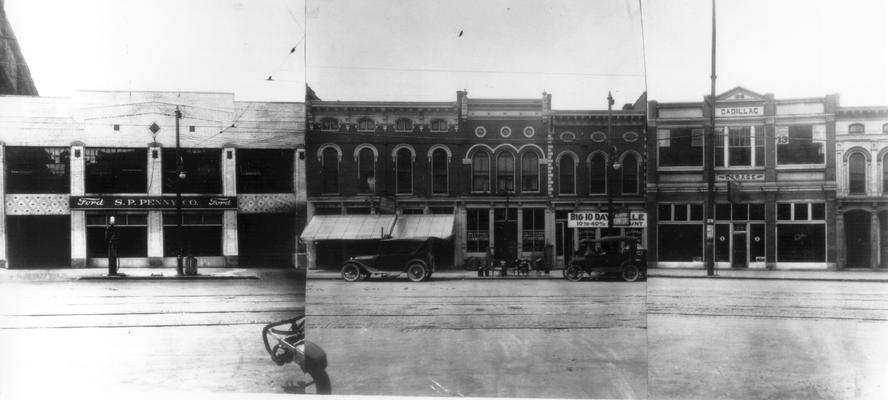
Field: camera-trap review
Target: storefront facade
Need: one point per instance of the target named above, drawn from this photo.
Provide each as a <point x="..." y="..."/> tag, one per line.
<point x="509" y="171"/>
<point x="862" y="187"/>
<point x="71" y="164"/>
<point x="775" y="182"/>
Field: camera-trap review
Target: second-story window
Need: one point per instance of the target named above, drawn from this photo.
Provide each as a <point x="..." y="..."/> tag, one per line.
<point x="597" y="174"/>
<point x="366" y="171"/>
<point x="38" y="170"/>
<point x="480" y="172"/>
<point x="201" y="167"/>
<point x="330" y="171"/>
<point x="630" y="174"/>
<point x="403" y="125"/>
<point x="530" y="172"/>
<point x="885" y="173"/>
<point x="439" y="172"/>
<point x="330" y="124"/>
<point x="801" y="144"/>
<point x="116" y="170"/>
<point x="566" y="173"/>
<point x="856" y="129"/>
<point x="439" y="125"/>
<point x="404" y="169"/>
<point x="680" y="147"/>
<point x="857" y="174"/>
<point x="264" y="170"/>
<point x="505" y="172"/>
<point x="740" y="146"/>
<point x="366" y="125"/>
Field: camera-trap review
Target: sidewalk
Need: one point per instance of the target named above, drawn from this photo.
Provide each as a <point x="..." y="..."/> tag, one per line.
<point x="866" y="275"/>
<point x="88" y="274"/>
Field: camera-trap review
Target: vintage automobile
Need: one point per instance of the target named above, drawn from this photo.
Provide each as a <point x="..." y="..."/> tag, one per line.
<point x="393" y="257"/>
<point x="610" y="255"/>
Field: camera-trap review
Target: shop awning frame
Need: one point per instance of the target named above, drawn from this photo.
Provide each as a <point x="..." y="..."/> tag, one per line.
<point x="348" y="227"/>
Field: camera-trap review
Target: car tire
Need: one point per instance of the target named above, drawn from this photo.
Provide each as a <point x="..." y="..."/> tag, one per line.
<point x="351" y="272"/>
<point x="630" y="272"/>
<point x="416" y="272"/>
<point x="573" y="273"/>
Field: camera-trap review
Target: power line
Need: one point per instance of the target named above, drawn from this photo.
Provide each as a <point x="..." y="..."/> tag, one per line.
<point x="475" y="71"/>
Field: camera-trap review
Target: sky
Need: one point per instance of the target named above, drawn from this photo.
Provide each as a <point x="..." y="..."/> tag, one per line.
<point x="412" y="50"/>
<point x="167" y="45"/>
<point x="791" y="48"/>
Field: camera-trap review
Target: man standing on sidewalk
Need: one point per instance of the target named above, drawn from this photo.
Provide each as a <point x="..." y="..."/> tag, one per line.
<point x="111" y="237"/>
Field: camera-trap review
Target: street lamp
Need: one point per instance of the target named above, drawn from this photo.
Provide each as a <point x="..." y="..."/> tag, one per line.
<point x="180" y="175"/>
<point x="612" y="165"/>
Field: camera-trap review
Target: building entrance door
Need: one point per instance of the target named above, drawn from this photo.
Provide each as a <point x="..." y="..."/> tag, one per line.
<point x="739" y="258"/>
<point x="505" y="233"/>
<point x="563" y="243"/>
<point x="857" y="236"/>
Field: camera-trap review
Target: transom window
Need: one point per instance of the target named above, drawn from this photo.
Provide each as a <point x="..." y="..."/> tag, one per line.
<point x="679" y="212"/>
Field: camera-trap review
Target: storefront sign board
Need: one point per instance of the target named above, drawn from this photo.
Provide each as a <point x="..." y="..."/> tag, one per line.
<point x="599" y="220"/>
<point x="151" y="202"/>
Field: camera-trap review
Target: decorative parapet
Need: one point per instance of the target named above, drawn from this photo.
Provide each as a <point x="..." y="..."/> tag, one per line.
<point x="37" y="204"/>
<point x="266" y="203"/>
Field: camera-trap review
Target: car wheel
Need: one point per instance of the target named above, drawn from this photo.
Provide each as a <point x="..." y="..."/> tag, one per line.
<point x="351" y="273"/>
<point x="416" y="272"/>
<point x="630" y="273"/>
<point x="573" y="273"/>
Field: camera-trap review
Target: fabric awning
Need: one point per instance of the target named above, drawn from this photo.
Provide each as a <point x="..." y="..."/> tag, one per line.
<point x="410" y="226"/>
<point x="348" y="227"/>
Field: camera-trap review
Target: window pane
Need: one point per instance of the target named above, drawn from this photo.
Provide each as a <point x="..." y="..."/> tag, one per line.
<point x="664" y="212"/>
<point x="739" y="146"/>
<point x="264" y="171"/>
<point x="505" y="172"/>
<point x="801" y="211"/>
<point x="202" y="167"/>
<point x="597" y="174"/>
<point x="330" y="172"/>
<point x="566" y="175"/>
<point x="760" y="145"/>
<point x="405" y="171"/>
<point x="530" y="172"/>
<point x="38" y="170"/>
<point x="857" y="174"/>
<point x="741" y="212"/>
<point x="800" y="144"/>
<point x="680" y="242"/>
<point x="784" y="211"/>
<point x="756" y="212"/>
<point x="680" y="147"/>
<point x="116" y="170"/>
<point x="630" y="175"/>
<point x="439" y="171"/>
<point x="801" y="243"/>
<point x="696" y="212"/>
<point x="723" y="212"/>
<point x="480" y="172"/>
<point x="681" y="212"/>
<point x="818" y="211"/>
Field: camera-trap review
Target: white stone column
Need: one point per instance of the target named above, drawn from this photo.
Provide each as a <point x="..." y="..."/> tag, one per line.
<point x="78" y="217"/>
<point x="229" y="217"/>
<point x="3" y="238"/>
<point x="155" y="217"/>
<point x="459" y="236"/>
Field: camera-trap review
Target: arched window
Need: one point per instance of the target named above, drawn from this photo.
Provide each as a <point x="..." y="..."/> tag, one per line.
<point x="480" y="172"/>
<point x="885" y="173"/>
<point x="439" y="125"/>
<point x="404" y="170"/>
<point x="439" y="172"/>
<point x="530" y="172"/>
<point x="630" y="174"/>
<point x="366" y="171"/>
<point x="403" y="125"/>
<point x="566" y="172"/>
<point x="857" y="174"/>
<point x="330" y="160"/>
<point x="505" y="172"/>
<point x="856" y="129"/>
<point x="597" y="174"/>
<point x="330" y="124"/>
<point x="366" y="124"/>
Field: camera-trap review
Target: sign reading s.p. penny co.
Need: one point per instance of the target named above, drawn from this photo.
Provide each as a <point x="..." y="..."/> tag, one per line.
<point x="747" y="111"/>
<point x="150" y="202"/>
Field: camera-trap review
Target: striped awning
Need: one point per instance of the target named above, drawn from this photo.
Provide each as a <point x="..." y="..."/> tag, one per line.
<point x="348" y="227"/>
<point x="425" y="225"/>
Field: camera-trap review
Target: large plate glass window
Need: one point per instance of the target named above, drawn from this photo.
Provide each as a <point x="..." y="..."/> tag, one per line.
<point x="264" y="171"/>
<point x="801" y="232"/>
<point x="201" y="234"/>
<point x="202" y="167"/>
<point x="116" y="170"/>
<point x="38" y="170"/>
<point x="533" y="229"/>
<point x="680" y="147"/>
<point x="132" y="234"/>
<point x="801" y="144"/>
<point x="477" y="230"/>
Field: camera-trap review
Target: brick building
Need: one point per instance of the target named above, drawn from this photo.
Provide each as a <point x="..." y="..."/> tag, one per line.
<point x="501" y="175"/>
<point x="775" y="182"/>
<point x="72" y="163"/>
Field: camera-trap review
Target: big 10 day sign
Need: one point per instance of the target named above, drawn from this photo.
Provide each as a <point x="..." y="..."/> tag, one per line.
<point x="599" y="220"/>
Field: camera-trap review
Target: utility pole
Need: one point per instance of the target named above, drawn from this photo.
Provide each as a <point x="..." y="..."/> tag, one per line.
<point x="708" y="255"/>
<point x="178" y="178"/>
<point x="610" y="162"/>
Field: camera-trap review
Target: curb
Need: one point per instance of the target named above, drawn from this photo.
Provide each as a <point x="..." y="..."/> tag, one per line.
<point x="766" y="278"/>
<point x="123" y="277"/>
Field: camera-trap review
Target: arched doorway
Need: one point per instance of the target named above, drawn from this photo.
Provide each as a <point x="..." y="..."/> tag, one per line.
<point x="857" y="239"/>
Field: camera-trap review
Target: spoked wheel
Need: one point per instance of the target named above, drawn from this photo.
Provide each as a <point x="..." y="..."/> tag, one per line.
<point x="573" y="273"/>
<point x="416" y="272"/>
<point x="351" y="273"/>
<point x="630" y="273"/>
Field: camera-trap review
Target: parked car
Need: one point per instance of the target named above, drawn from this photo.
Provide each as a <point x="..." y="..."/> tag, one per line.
<point x="610" y="255"/>
<point x="393" y="257"/>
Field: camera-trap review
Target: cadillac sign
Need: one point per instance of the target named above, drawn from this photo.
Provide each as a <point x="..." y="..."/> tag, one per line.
<point x="752" y="111"/>
<point x="150" y="202"/>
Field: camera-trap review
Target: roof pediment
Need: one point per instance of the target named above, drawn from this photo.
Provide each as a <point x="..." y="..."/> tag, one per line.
<point x="740" y="93"/>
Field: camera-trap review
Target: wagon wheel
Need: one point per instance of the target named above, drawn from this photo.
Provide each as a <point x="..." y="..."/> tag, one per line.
<point x="416" y="272"/>
<point x="629" y="272"/>
<point x="573" y="273"/>
<point x="351" y="273"/>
